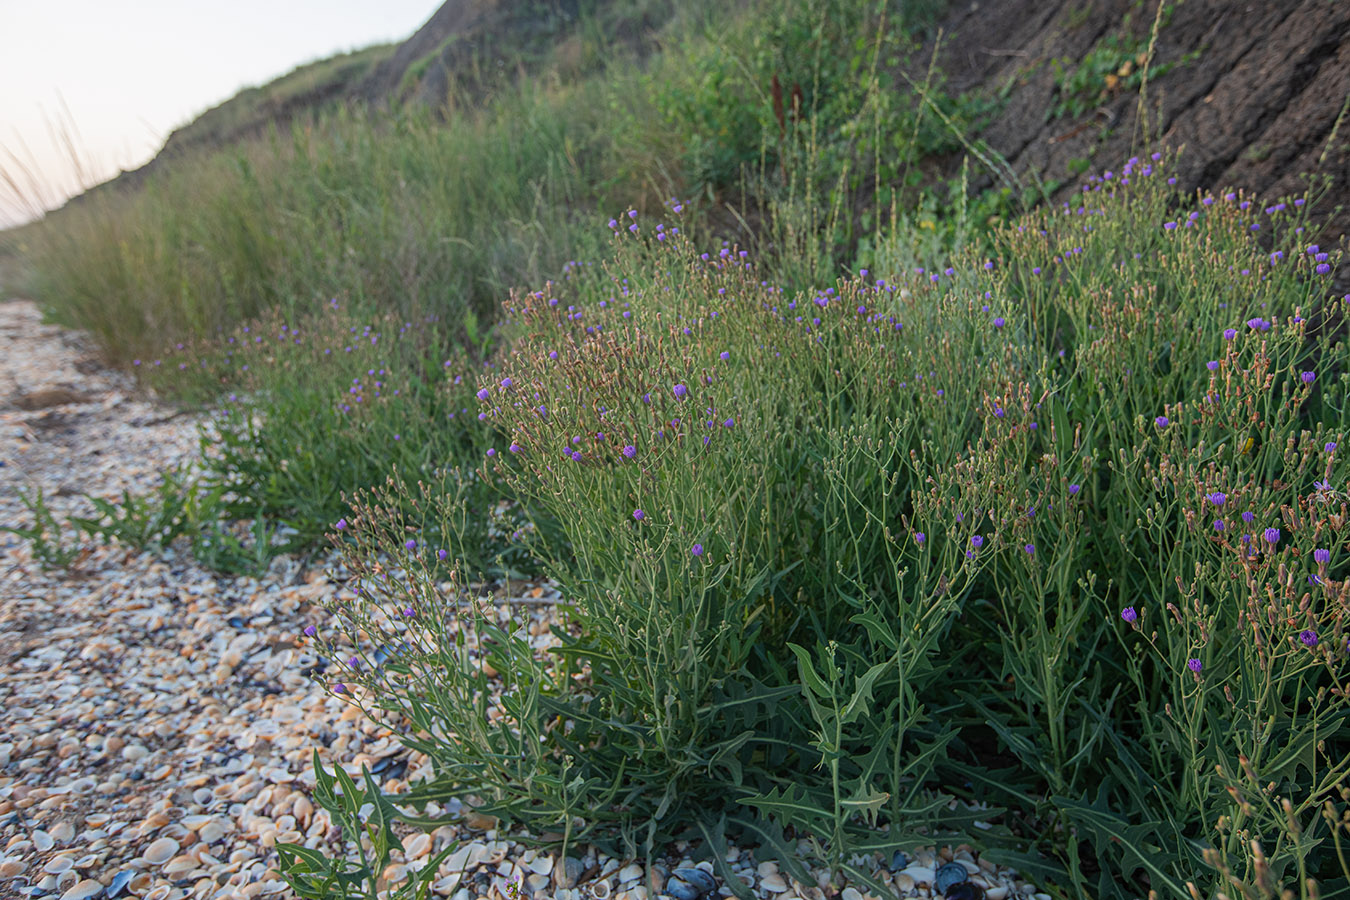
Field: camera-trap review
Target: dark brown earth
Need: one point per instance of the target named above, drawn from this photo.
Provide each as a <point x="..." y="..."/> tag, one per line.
<point x="1254" y="107"/>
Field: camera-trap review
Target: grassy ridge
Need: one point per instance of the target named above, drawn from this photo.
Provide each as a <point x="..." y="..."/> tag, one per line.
<point x="404" y="212"/>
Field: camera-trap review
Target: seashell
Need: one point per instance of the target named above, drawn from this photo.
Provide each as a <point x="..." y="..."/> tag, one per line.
<point x="600" y="890"/>
<point x="920" y="874"/>
<point x="98" y="820"/>
<point x="898" y="861"/>
<point x="630" y="873"/>
<point x="58" y="864"/>
<point x="160" y="852"/>
<point x="212" y="831"/>
<point x="43" y="841"/>
<point x="12" y="868"/>
<point x="775" y="884"/>
<point x="417" y="846"/>
<point x="180" y="864"/>
<point x="89" y="859"/>
<point x="63" y="831"/>
<point x="950" y="874"/>
<point x="998" y="892"/>
<point x="160" y="893"/>
<point x="701" y="879"/>
<point x="851" y="893"/>
<point x="395" y="873"/>
<point x="541" y="865"/>
<point x="192" y="823"/>
<point x="83" y="890"/>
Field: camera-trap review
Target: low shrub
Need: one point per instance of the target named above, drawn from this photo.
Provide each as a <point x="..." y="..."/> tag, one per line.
<point x="1057" y="531"/>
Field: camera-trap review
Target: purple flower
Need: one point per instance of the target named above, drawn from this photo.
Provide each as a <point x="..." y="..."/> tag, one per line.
<point x="1308" y="377"/>
<point x="1074" y="489"/>
<point x="1330" y="447"/>
<point x="1129" y="614"/>
<point x="1031" y="549"/>
<point x="514" y="448"/>
<point x="697" y="549"/>
<point x="1322" y="555"/>
<point x="1229" y="334"/>
<point x="410" y="544"/>
<point x="998" y="322"/>
<point x="576" y="456"/>
<point x="725" y="355"/>
<point x="920" y="537"/>
<point x="1194" y="665"/>
<point x="1169" y="225"/>
<point x="977" y="542"/>
<point x="339" y="688"/>
<point x="1249" y="517"/>
<point x="341" y="525"/>
<point x="1218" y="525"/>
<point x="1308" y="637"/>
<point x="1161" y="421"/>
<point x="482" y="393"/>
<point x="1272" y="535"/>
<point x="506" y="382"/>
<point x="1212" y="365"/>
<point x="1218" y="498"/>
<point x="728" y="423"/>
<point x="309" y="631"/>
<point x="680" y="390"/>
<point x="639" y="515"/>
<point x="441" y="555"/>
<point x="491" y="451"/>
<point x="409" y="612"/>
<point x="630" y="451"/>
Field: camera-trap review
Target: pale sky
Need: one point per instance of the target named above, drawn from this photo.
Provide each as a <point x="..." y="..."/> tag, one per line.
<point x="125" y="74"/>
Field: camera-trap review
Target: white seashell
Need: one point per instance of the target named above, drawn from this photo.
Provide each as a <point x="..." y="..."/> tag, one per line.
<point x="63" y="832"/>
<point x="541" y="865"/>
<point x="159" y="893"/>
<point x="775" y="884"/>
<point x="630" y="873"/>
<point x="160" y="852"/>
<point x="600" y="890"/>
<point x="999" y="892"/>
<point x="12" y="868"/>
<point x="212" y="831"/>
<point x="417" y="846"/>
<point x="920" y="874"/>
<point x="43" y="841"/>
<point x="58" y="864"/>
<point x="83" y="890"/>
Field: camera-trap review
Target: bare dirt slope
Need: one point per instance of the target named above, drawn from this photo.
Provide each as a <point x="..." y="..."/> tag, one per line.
<point x="1252" y="94"/>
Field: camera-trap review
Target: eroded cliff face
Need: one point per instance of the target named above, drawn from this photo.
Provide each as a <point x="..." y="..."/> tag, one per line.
<point x="1251" y="92"/>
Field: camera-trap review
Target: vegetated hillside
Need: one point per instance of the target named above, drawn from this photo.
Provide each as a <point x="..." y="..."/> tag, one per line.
<point x="251" y="112"/>
<point x="1254" y="92"/>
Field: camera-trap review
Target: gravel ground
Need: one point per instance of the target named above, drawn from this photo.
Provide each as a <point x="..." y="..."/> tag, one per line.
<point x="156" y="724"/>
